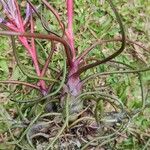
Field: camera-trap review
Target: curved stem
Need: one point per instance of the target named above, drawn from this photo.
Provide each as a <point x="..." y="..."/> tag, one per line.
<point x="54" y="92"/>
<point x="123" y="40"/>
<point x="34" y="76"/>
<point x="67" y="115"/>
<point x="115" y="72"/>
<point x="20" y="82"/>
<point x="43" y="36"/>
<point x="99" y="42"/>
<point x="56" y="14"/>
<point x="45" y="67"/>
<point x="35" y="57"/>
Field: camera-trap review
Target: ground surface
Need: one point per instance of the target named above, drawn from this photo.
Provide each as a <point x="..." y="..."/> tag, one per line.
<point x="93" y="20"/>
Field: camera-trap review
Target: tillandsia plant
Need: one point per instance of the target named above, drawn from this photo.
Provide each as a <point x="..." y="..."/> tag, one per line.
<point x="21" y="24"/>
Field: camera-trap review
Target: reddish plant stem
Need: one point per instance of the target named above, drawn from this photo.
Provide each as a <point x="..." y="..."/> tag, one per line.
<point x="20" y="82"/>
<point x="73" y="81"/>
<point x="119" y="51"/>
<point x="48" y="59"/>
<point x="55" y="14"/>
<point x="43" y="36"/>
<point x="84" y="68"/>
<point x="99" y="42"/>
<point x="32" y="51"/>
<point x="20" y="25"/>
<point x="69" y="30"/>
<point x="34" y="57"/>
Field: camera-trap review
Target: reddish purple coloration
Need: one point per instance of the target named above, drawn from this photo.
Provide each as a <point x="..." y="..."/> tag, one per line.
<point x="73" y="83"/>
<point x="69" y="30"/>
<point x="15" y="22"/>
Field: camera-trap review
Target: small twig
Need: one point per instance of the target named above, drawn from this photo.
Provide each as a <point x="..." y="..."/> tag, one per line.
<point x="48" y="59"/>
<point x="42" y="19"/>
<point x="20" y="82"/>
<point x="56" y="14"/>
<point x="81" y="119"/>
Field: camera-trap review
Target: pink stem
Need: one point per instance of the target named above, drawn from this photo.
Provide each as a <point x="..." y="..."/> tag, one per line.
<point x="69" y="31"/>
<point x="34" y="56"/>
<point x="19" y="18"/>
<point x="32" y="51"/>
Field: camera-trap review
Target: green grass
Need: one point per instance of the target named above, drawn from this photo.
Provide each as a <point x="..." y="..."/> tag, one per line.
<point x="92" y="21"/>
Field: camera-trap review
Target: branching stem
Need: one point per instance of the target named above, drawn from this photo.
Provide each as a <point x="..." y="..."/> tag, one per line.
<point x="43" y="36"/>
<point x="123" y="40"/>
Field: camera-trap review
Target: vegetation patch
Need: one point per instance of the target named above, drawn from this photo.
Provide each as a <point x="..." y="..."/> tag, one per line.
<point x="74" y="75"/>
